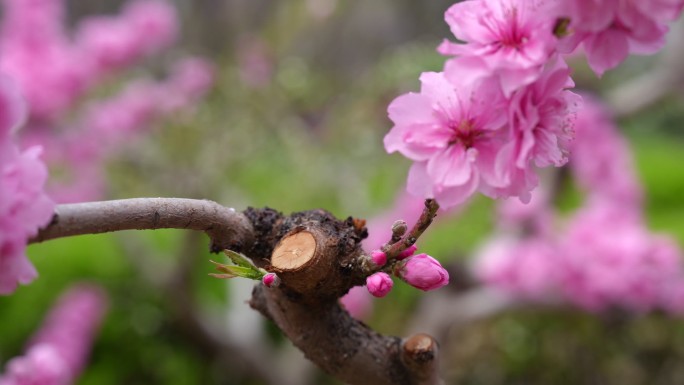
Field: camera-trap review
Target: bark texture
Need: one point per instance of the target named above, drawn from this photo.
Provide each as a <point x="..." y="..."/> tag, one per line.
<point x="226" y="228"/>
<point x="306" y="308"/>
<point x="318" y="258"/>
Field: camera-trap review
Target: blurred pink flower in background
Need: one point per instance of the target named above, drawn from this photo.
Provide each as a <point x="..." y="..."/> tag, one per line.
<point x="116" y="42"/>
<point x="604" y="258"/>
<point x="255" y="64"/>
<point x="613" y="260"/>
<point x="526" y="269"/>
<point x="78" y="140"/>
<point x="24" y="206"/>
<point x="58" y="352"/>
<point x="610" y="30"/>
<point x="601" y="160"/>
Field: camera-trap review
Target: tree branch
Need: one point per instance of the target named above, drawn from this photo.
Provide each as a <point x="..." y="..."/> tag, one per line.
<point x="428" y="215"/>
<point x="347" y="348"/>
<point x="227" y="228"/>
<point x="316" y="257"/>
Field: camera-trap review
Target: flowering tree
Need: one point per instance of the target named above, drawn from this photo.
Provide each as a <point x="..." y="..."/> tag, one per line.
<point x="499" y="112"/>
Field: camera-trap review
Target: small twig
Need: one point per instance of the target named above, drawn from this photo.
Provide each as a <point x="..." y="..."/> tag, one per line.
<point x="407" y="240"/>
<point x="419" y="353"/>
<point x="227" y="228"/>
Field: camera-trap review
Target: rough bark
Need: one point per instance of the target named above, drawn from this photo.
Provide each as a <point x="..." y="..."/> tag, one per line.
<point x="318" y="258"/>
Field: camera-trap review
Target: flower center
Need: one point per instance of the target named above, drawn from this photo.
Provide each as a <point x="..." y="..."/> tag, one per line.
<point x="464" y="133"/>
<point x="511" y="35"/>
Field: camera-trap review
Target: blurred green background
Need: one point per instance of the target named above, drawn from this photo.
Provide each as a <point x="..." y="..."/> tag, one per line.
<point x="296" y="122"/>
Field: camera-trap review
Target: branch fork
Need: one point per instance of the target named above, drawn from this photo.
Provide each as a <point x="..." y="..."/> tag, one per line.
<point x="317" y="259"/>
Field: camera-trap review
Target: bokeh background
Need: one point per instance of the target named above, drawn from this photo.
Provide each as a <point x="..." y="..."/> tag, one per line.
<point x="295" y="121"/>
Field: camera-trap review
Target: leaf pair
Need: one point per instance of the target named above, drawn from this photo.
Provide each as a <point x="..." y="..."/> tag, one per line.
<point x="242" y="267"/>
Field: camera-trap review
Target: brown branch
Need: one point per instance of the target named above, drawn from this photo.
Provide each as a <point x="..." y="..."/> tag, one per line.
<point x="318" y="264"/>
<point x="315" y="255"/>
<point x="429" y="213"/>
<point x="344" y="347"/>
<point x="227" y="228"/>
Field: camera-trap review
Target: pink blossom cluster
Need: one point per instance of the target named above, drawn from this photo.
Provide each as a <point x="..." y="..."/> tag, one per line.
<point x="77" y="140"/>
<point x="502" y="106"/>
<point x="420" y="271"/>
<point x="609" y="30"/>
<point x="33" y="34"/>
<point x="59" y="350"/>
<point x="358" y="301"/>
<point x="24" y="206"/>
<point x="601" y="160"/>
<point x="105" y="125"/>
<point x="602" y="256"/>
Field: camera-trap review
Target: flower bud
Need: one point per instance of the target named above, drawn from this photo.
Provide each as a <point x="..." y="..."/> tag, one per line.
<point x="423" y="272"/>
<point x="378" y="257"/>
<point x="399" y="228"/>
<point x="379" y="284"/>
<point x="408" y="252"/>
<point x="271" y="280"/>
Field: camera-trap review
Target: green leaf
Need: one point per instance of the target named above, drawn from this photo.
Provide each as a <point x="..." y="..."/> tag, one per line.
<point x="239" y="259"/>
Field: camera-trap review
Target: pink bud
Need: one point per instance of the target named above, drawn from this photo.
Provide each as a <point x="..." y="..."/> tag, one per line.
<point x="408" y="252"/>
<point x="271" y="280"/>
<point x="378" y="257"/>
<point x="379" y="284"/>
<point x="423" y="272"/>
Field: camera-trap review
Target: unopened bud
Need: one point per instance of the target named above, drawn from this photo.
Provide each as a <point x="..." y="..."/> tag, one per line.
<point x="408" y="252"/>
<point x="271" y="280"/>
<point x="399" y="228"/>
<point x="378" y="257"/>
<point x="379" y="284"/>
<point x="423" y="272"/>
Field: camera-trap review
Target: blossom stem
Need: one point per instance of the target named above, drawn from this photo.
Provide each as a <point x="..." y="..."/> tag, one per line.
<point x="429" y="213"/>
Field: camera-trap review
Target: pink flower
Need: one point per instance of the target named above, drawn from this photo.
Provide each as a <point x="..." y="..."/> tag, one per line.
<point x="611" y="30"/>
<point x="408" y="252"/>
<point x="612" y="259"/>
<point x="527" y="269"/>
<point x="452" y="134"/>
<point x="144" y="27"/>
<point x="41" y="365"/>
<point x="541" y="119"/>
<point x="24" y="206"/>
<point x="605" y="258"/>
<point x="423" y="272"/>
<point x="601" y="159"/>
<point x="190" y="79"/>
<point x="378" y="257"/>
<point x="379" y="284"/>
<point x="536" y="216"/>
<point x="510" y="38"/>
<point x="59" y="350"/>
